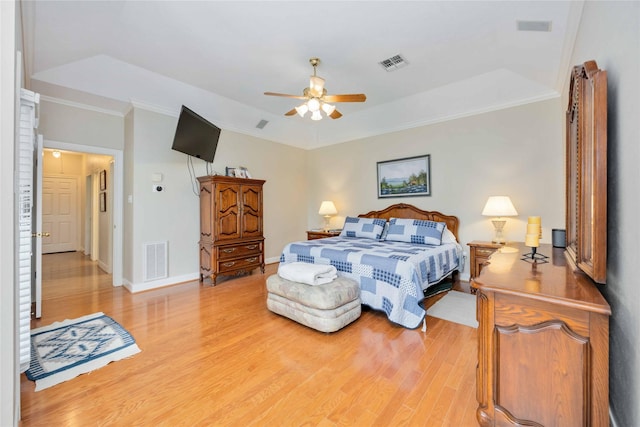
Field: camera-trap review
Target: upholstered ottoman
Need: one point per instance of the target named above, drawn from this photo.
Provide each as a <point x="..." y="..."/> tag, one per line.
<point x="326" y="308"/>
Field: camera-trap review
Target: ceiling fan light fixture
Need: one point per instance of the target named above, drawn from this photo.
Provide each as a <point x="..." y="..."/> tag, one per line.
<point x="302" y="110"/>
<point x="316" y="85"/>
<point x="315" y="96"/>
<point x="328" y="108"/>
<point x="313" y="104"/>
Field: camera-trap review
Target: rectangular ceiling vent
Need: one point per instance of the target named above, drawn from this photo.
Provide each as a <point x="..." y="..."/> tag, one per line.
<point x="393" y="63"/>
<point x="544" y="26"/>
<point x="261" y="124"/>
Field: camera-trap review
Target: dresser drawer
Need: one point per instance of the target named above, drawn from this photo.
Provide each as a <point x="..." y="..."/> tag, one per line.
<point x="238" y="251"/>
<point x="248" y="263"/>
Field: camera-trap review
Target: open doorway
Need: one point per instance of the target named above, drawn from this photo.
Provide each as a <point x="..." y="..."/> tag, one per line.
<point x="77" y="217"/>
<point x="97" y="173"/>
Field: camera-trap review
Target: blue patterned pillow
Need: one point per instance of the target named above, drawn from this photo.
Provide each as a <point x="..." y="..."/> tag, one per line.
<point x="419" y="231"/>
<point x="369" y="228"/>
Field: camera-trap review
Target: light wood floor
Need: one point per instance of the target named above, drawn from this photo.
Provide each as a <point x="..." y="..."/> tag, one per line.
<point x="217" y="356"/>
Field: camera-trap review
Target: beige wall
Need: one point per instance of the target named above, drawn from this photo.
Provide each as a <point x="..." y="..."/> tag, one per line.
<point x="173" y="214"/>
<point x="609" y="33"/>
<point x="517" y="152"/>
<point x="64" y="123"/>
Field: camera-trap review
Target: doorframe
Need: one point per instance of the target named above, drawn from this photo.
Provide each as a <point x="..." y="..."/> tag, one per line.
<point x="118" y="191"/>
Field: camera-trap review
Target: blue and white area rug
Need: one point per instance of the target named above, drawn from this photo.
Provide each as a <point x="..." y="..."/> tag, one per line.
<point x="458" y="307"/>
<point x="64" y="350"/>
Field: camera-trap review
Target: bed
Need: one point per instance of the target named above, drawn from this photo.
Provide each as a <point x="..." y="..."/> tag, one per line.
<point x="393" y="263"/>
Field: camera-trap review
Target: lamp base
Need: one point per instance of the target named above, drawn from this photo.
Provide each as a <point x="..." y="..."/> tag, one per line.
<point x="498" y="224"/>
<point x="327" y="222"/>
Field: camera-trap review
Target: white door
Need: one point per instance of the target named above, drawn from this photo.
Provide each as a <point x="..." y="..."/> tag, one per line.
<point x="59" y="214"/>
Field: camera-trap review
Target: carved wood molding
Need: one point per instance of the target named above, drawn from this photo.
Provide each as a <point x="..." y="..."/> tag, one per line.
<point x="404" y="210"/>
<point x="586" y="169"/>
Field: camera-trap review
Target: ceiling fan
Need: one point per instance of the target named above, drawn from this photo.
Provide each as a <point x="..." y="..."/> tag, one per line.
<point x="316" y="98"/>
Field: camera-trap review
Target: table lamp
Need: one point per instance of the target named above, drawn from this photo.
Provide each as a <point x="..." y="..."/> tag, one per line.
<point x="327" y="209"/>
<point x="499" y="207"/>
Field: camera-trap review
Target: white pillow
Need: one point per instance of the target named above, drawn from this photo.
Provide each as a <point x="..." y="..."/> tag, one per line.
<point x="448" y="236"/>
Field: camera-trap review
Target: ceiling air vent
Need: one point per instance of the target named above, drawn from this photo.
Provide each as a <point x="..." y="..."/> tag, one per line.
<point x="393" y="63"/>
<point x="261" y="124"/>
<point x="544" y="26"/>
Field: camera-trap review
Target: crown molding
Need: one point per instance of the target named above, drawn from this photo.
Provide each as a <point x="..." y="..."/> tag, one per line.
<point x="80" y="105"/>
<point x="134" y="103"/>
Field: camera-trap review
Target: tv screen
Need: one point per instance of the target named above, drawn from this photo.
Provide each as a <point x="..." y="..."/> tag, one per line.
<point x="196" y="136"/>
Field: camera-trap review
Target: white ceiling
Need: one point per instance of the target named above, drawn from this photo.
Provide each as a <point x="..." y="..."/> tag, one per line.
<point x="219" y="57"/>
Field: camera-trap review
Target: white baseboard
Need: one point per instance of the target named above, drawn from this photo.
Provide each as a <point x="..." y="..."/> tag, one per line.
<point x="272" y="260"/>
<point x="104" y="267"/>
<point x="154" y="284"/>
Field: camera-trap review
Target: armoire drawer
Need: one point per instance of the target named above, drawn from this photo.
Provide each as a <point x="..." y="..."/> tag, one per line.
<point x="249" y="263"/>
<point x="239" y="250"/>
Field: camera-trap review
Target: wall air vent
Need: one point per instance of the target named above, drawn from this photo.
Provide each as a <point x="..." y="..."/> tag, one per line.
<point x="155" y="261"/>
<point x="543" y="26"/>
<point x="393" y="63"/>
<point x="261" y="124"/>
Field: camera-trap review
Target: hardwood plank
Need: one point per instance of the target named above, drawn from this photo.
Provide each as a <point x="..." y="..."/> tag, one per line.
<point x="214" y="355"/>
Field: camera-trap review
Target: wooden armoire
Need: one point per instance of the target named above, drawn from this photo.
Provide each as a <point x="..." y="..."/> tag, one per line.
<point x="231" y="237"/>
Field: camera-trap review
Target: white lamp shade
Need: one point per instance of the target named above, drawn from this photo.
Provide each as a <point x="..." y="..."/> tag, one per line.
<point x="302" y="110"/>
<point x="327" y="208"/>
<point x="328" y="109"/>
<point x="498" y="206"/>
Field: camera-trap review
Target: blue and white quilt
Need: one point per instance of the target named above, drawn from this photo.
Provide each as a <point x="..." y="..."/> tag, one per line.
<point x="392" y="275"/>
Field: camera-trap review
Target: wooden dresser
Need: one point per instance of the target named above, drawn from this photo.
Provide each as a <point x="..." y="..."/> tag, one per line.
<point x="231" y="239"/>
<point x="543" y="343"/>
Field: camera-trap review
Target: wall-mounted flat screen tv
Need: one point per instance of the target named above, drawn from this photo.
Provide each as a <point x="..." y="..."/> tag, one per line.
<point x="196" y="136"/>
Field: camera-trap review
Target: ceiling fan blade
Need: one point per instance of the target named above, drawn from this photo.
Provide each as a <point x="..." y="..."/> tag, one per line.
<point x="350" y="97"/>
<point x="336" y="114"/>
<point x="285" y="95"/>
<point x="291" y="112"/>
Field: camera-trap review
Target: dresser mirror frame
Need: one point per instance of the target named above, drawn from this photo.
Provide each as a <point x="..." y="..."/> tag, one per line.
<point x="586" y="171"/>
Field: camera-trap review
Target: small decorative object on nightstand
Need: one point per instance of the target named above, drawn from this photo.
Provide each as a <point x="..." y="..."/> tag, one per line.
<point x="479" y="254"/>
<point x="321" y="234"/>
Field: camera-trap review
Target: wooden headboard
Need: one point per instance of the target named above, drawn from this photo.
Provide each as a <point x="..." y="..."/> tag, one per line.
<point x="403" y="210"/>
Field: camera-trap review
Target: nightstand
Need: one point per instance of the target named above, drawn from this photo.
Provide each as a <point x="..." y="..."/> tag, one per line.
<point x="321" y="234"/>
<point x="480" y="253"/>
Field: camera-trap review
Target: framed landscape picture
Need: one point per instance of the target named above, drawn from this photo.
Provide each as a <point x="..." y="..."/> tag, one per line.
<point x="409" y="177"/>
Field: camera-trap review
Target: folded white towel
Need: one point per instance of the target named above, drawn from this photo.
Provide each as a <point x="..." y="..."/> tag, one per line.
<point x="310" y="274"/>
